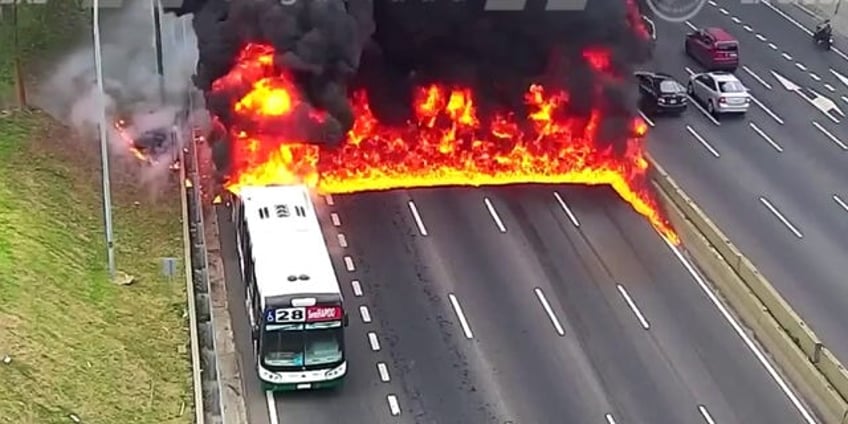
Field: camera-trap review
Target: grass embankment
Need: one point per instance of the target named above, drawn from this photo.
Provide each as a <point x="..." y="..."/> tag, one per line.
<point x="78" y="343"/>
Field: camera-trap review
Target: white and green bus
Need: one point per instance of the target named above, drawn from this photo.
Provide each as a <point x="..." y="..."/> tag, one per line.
<point x="294" y="302"/>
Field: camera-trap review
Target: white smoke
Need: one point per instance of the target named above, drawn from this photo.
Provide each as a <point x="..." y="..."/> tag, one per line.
<point x="137" y="96"/>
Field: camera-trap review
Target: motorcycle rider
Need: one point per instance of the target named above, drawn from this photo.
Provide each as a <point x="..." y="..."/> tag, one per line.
<point x="823" y="31"/>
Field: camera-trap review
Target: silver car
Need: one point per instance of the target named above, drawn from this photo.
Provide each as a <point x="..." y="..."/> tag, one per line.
<point x="720" y="92"/>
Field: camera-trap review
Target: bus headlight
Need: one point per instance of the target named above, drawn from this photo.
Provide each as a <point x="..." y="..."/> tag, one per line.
<point x="337" y="371"/>
<point x="269" y="376"/>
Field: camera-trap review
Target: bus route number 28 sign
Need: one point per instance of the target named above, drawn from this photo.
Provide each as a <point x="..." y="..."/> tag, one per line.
<point x="309" y="314"/>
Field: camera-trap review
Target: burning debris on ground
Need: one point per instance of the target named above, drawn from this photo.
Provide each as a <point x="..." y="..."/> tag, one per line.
<point x="374" y="95"/>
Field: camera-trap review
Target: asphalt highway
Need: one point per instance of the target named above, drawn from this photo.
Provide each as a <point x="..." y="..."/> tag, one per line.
<point x="532" y="304"/>
<point x="775" y="180"/>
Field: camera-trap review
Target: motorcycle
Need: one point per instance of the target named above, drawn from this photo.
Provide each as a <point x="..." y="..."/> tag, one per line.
<point x="823" y="37"/>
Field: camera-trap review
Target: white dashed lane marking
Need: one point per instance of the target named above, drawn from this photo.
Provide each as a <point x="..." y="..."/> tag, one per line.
<point x="329" y="199"/>
<point x="567" y="210"/>
<point x="357" y="288"/>
<point x="765" y="137"/>
<point x="365" y="314"/>
<point x="463" y="322"/>
<point x="706" y="414"/>
<point x="756" y="77"/>
<point x="780" y="216"/>
<point x="342" y="240"/>
<point x="394" y="406"/>
<point x="374" y="341"/>
<point x="633" y="307"/>
<point x="335" y="218"/>
<point x="348" y="261"/>
<point x="832" y="137"/>
<point x="417" y="217"/>
<point x="383" y="370"/>
<point x="491" y="208"/>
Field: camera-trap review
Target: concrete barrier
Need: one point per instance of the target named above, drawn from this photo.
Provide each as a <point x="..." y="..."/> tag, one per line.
<point x="814" y="370"/>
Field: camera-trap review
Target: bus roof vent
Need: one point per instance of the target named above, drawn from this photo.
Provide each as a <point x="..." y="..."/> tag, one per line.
<point x="292" y="278"/>
<point x="303" y="277"/>
<point x="287" y="211"/>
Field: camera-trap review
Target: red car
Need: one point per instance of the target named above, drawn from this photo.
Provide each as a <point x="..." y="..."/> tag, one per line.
<point x="714" y="48"/>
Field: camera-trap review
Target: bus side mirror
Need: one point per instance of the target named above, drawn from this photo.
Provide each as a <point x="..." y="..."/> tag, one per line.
<point x="345" y="320"/>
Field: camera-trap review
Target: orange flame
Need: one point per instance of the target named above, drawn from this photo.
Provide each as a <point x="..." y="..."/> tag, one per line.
<point x="447" y="144"/>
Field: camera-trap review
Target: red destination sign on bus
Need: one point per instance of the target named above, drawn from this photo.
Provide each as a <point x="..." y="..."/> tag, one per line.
<point x="323" y="313"/>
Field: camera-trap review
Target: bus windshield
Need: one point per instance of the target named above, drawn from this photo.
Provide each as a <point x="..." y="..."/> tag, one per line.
<point x="297" y="345"/>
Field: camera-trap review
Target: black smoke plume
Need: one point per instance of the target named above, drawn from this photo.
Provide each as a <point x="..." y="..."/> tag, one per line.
<point x="390" y="46"/>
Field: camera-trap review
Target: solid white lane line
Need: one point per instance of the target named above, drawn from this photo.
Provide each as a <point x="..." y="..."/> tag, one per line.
<point x="548" y="310"/>
<point x="785" y="16"/>
<point x="373" y="341"/>
<point x="567" y="210"/>
<point x="394" y="406"/>
<point x="692" y="27"/>
<point x="706" y="414"/>
<point x="460" y="316"/>
<point x="383" y="369"/>
<point x="801" y="66"/>
<point x="342" y="240"/>
<point x="494" y="214"/>
<point x="736" y="20"/>
<point x="645" y="117"/>
<point x="748" y="28"/>
<point x="365" y="314"/>
<point x="349" y="264"/>
<point x="414" y="209"/>
<point x="765" y="137"/>
<point x="832" y="137"/>
<point x="761" y="37"/>
<point x="766" y="109"/>
<point x="780" y="216"/>
<point x="272" y="408"/>
<point x="761" y="357"/>
<point x="335" y="218"/>
<point x="357" y="288"/>
<point x="756" y="77"/>
<point x="772" y="46"/>
<point x="702" y="141"/>
<point x="610" y="419"/>
<point x="840" y="202"/>
<point x="329" y="199"/>
<point x="633" y="307"/>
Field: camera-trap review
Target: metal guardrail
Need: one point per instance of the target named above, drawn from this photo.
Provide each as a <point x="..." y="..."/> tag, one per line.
<point x="194" y="345"/>
<point x="205" y="368"/>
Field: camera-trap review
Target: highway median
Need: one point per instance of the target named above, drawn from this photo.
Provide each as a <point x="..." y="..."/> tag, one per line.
<point x="806" y="361"/>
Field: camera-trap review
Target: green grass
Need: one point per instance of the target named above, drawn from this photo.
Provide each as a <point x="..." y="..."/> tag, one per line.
<point x="80" y="344"/>
<point x="43" y="30"/>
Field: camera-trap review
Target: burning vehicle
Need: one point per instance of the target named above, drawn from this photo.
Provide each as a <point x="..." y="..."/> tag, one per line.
<point x="375" y="95"/>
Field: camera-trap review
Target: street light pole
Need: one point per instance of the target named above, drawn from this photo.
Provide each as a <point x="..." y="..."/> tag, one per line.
<point x="156" y="10"/>
<point x="104" y="144"/>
